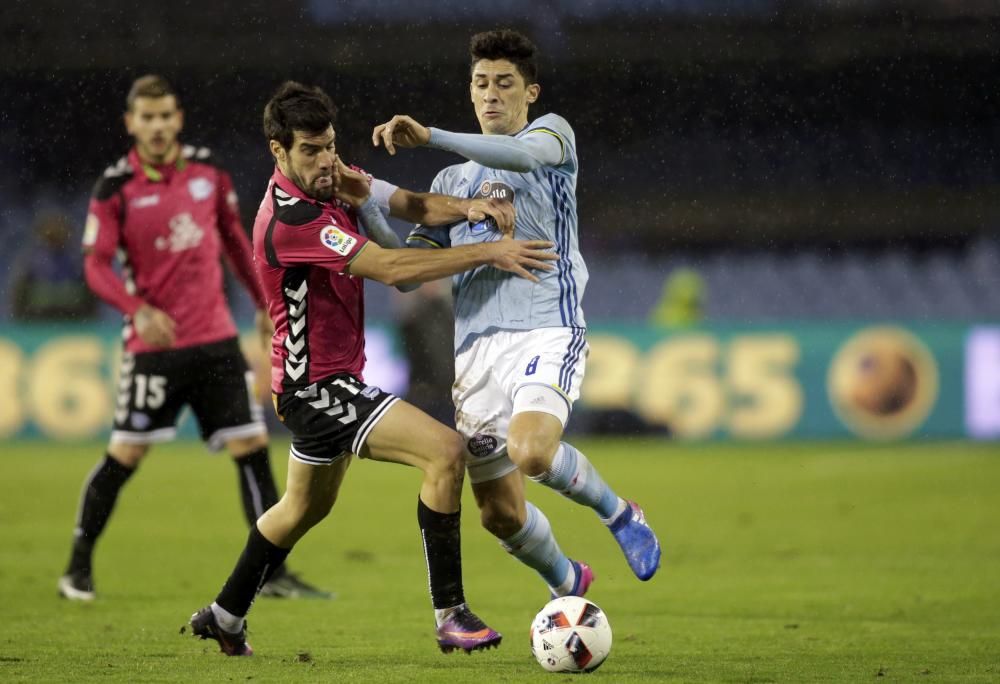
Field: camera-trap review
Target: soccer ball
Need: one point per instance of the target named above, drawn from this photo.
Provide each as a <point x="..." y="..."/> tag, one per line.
<point x="570" y="634"/>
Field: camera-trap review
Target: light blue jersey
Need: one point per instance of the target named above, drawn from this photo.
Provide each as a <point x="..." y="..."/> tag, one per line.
<point x="488" y="299"/>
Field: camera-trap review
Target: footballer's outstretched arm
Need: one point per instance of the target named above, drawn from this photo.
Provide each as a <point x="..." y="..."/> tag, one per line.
<point x="426" y="208"/>
<point x="378" y="229"/>
<point x="433" y="209"/>
<point x="395" y="266"/>
<point x="494" y="151"/>
<point x="501" y="151"/>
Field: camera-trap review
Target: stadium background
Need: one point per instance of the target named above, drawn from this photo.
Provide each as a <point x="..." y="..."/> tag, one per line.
<point x="819" y="178"/>
<point x="812" y="163"/>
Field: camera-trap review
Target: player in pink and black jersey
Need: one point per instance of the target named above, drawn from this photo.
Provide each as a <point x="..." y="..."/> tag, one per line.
<point x="319" y="233"/>
<point x="170" y="213"/>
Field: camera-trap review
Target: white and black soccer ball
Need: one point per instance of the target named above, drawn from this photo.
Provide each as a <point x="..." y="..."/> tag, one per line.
<point x="570" y="634"/>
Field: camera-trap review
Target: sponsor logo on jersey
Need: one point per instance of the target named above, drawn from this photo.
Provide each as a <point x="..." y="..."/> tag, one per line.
<point x="184" y="234"/>
<point x="90" y="230"/>
<point x="145" y="201"/>
<point x="481" y="446"/>
<point x="491" y="190"/>
<point x="370" y="392"/>
<point x="336" y="240"/>
<point x="140" y="421"/>
<point x="496" y="190"/>
<point x="200" y="189"/>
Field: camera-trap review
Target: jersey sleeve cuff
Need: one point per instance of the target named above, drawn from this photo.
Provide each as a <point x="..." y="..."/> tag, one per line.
<point x="423" y="241"/>
<point x="381" y="191"/>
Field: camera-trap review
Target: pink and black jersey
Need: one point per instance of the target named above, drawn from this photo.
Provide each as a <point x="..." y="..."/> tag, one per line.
<point x="169" y="225"/>
<point x="302" y="248"/>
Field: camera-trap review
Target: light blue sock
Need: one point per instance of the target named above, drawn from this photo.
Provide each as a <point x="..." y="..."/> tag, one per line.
<point x="535" y="546"/>
<point x="575" y="477"/>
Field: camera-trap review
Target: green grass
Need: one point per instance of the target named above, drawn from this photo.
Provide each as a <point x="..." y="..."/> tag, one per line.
<point x="787" y="563"/>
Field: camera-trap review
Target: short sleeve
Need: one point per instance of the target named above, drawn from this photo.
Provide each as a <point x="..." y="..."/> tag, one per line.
<point x="327" y="242"/>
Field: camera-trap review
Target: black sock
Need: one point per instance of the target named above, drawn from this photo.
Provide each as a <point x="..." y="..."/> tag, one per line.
<point x="100" y="491"/>
<point x="442" y="538"/>
<point x="257" y="486"/>
<point x="255" y="566"/>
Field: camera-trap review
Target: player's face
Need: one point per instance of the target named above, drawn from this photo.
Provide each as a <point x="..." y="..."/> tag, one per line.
<point x="311" y="162"/>
<point x="154" y="122"/>
<point x="501" y="96"/>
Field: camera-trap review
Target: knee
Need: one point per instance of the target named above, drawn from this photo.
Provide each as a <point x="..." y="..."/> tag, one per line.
<point x="449" y="461"/>
<point x="531" y="452"/>
<point x="303" y="512"/>
<point x="129" y="455"/>
<point x="502" y="519"/>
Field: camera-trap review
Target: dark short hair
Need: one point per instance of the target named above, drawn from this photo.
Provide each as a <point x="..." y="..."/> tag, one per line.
<point x="506" y="44"/>
<point x="149" y="85"/>
<point x="297" y="107"/>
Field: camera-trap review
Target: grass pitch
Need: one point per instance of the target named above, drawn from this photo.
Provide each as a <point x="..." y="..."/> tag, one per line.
<point x="797" y="563"/>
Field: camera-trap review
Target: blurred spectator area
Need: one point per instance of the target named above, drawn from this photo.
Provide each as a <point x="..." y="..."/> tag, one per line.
<point x="818" y="283"/>
<point x="959" y="282"/>
<point x="809" y="159"/>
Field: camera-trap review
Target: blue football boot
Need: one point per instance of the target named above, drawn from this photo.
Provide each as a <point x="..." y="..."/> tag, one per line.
<point x="638" y="541"/>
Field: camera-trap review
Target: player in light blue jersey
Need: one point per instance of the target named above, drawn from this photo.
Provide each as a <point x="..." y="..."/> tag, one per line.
<point x="520" y="346"/>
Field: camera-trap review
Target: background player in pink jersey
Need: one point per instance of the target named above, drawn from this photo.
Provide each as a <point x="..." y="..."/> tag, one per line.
<point x="171" y="213"/>
<point x="312" y="258"/>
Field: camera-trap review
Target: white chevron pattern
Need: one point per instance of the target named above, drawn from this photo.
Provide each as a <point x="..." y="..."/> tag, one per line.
<point x="124" y="387"/>
<point x="352" y="415"/>
<point x="295" y="341"/>
<point x="333" y="405"/>
<point x="323" y="401"/>
<point x="294" y="372"/>
<point x="298" y="294"/>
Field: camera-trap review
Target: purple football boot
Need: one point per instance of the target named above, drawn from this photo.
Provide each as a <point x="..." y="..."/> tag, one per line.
<point x="205" y="626"/>
<point x="464" y="630"/>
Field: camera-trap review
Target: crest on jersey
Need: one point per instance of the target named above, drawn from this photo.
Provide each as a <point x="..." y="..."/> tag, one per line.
<point x="491" y="189"/>
<point x="336" y="240"/>
<point x="495" y="190"/>
<point x="200" y="189"/>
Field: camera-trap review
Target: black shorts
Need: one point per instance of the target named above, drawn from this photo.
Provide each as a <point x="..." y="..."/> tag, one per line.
<point x="213" y="379"/>
<point x="332" y="417"/>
